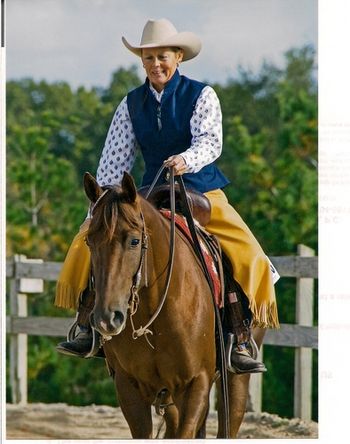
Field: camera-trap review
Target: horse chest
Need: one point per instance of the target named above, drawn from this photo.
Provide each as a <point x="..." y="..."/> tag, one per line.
<point x="170" y="364"/>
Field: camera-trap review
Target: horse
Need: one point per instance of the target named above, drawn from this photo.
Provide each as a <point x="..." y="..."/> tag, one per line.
<point x="174" y="359"/>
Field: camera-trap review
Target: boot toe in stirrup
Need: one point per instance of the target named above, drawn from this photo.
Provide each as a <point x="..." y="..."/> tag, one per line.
<point x="242" y="362"/>
<point x="80" y="346"/>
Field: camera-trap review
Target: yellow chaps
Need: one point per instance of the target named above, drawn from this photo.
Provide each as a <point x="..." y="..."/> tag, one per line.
<point x="251" y="267"/>
<point x="250" y="264"/>
<point x="74" y="275"/>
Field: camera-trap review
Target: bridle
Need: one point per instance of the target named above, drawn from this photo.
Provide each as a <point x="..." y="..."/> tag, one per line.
<point x="134" y="299"/>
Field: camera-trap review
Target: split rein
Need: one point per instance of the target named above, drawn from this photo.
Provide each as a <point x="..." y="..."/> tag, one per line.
<point x="135" y="299"/>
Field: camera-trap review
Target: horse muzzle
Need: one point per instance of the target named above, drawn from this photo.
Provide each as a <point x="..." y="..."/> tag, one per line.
<point x="108" y="323"/>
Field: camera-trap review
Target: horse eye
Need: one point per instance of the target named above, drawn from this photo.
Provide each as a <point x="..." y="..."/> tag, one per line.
<point x="134" y="242"/>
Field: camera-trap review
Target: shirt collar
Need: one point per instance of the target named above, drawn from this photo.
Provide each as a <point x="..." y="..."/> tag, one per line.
<point x="157" y="95"/>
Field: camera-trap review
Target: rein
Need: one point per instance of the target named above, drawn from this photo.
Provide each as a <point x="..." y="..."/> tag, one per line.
<point x="218" y="325"/>
<point x="135" y="299"/>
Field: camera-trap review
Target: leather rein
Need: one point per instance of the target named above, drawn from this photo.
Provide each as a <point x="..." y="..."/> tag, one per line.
<point x="134" y="297"/>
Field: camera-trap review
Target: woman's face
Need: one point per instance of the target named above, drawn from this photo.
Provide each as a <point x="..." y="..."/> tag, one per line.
<point x="160" y="65"/>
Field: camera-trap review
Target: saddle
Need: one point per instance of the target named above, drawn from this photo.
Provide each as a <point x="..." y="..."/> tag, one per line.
<point x="199" y="204"/>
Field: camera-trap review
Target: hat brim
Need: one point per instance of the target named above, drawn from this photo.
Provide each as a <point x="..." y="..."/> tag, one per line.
<point x="187" y="41"/>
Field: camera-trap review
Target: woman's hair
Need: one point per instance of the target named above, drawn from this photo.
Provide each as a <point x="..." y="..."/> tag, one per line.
<point x="175" y="48"/>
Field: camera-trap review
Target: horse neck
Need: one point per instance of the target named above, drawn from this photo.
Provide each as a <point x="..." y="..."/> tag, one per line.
<point x="157" y="228"/>
<point x="156" y="224"/>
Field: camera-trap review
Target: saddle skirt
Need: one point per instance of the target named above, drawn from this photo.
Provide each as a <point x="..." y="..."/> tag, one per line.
<point x="207" y="249"/>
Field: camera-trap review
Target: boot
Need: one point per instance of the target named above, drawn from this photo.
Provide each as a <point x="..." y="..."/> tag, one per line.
<point x="240" y="344"/>
<point x="239" y="358"/>
<point x="80" y="346"/>
<point x="80" y="338"/>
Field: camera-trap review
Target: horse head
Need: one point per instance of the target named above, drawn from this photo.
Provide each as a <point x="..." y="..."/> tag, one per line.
<point x="115" y="238"/>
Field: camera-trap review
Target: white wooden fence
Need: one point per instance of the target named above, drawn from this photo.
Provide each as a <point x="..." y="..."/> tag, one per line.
<point x="27" y="276"/>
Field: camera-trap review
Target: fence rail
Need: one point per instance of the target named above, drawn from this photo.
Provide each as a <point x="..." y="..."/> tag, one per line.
<point x="287" y="266"/>
<point x="287" y="336"/>
<point x="27" y="276"/>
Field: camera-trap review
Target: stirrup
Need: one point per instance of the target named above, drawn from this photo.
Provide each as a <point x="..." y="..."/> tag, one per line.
<point x="96" y="343"/>
<point x="252" y="346"/>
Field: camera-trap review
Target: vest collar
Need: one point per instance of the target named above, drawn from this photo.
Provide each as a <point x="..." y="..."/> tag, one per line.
<point x="170" y="86"/>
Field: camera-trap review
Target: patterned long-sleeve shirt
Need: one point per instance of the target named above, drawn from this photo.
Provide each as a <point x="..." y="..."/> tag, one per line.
<point x="119" y="152"/>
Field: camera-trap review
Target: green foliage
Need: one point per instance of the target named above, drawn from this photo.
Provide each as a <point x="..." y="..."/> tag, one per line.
<point x="55" y="134"/>
<point x="273" y="167"/>
<point x="56" y="378"/>
<point x="123" y="81"/>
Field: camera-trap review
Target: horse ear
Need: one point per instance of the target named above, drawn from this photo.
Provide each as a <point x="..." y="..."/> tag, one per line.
<point x="92" y="188"/>
<point x="129" y="187"/>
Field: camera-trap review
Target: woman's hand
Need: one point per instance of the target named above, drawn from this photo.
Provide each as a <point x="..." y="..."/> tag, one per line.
<point x="179" y="164"/>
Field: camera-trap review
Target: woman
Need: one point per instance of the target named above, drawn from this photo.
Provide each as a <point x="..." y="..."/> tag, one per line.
<point x="176" y="121"/>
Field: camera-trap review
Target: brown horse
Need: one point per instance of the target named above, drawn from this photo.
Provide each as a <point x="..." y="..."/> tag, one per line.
<point x="175" y="360"/>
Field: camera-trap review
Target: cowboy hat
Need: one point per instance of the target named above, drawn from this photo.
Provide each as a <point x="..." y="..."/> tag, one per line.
<point x="163" y="33"/>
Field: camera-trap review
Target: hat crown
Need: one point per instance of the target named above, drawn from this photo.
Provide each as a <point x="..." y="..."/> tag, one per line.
<point x="156" y="31"/>
<point x="162" y="33"/>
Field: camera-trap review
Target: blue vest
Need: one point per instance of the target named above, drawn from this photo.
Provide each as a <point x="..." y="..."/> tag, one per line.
<point x="163" y="130"/>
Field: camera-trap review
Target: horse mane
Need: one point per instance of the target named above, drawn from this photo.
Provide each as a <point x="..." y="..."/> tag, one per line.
<point x="108" y="209"/>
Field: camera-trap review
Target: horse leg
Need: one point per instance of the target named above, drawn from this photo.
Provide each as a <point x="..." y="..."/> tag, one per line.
<point x="202" y="432"/>
<point x="136" y="410"/>
<point x="238" y="386"/>
<point x="238" y="394"/>
<point x="171" y="417"/>
<point x="193" y="405"/>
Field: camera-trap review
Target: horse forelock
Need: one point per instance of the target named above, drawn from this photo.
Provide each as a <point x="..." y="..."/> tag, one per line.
<point x="112" y="206"/>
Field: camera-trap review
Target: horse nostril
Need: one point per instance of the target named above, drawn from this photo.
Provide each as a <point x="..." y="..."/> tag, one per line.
<point x="118" y="318"/>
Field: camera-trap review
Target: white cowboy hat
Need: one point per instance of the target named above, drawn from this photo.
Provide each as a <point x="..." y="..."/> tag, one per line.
<point x="160" y="33"/>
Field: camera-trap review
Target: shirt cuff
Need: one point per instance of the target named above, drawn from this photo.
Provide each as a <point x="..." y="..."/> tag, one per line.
<point x="187" y="158"/>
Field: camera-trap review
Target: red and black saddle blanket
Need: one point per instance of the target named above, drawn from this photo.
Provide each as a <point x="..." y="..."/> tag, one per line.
<point x="181" y="223"/>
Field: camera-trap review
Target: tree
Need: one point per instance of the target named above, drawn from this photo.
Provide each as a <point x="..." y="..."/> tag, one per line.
<point x="37" y="180"/>
<point x="272" y="165"/>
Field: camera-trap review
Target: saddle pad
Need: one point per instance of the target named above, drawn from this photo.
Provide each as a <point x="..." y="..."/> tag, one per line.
<point x="181" y="223"/>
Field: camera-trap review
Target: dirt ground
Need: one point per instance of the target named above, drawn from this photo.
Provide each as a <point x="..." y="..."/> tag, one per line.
<point x="60" y="421"/>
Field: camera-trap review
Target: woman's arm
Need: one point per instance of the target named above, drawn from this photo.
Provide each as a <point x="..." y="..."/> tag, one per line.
<point x="206" y="129"/>
<point x="119" y="151"/>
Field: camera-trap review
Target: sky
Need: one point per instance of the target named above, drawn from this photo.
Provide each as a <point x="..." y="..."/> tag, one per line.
<point x="79" y="41"/>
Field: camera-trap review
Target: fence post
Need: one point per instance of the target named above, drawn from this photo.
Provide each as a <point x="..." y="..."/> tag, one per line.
<point x="18" y="342"/>
<point x="303" y="356"/>
<point x="19" y="288"/>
